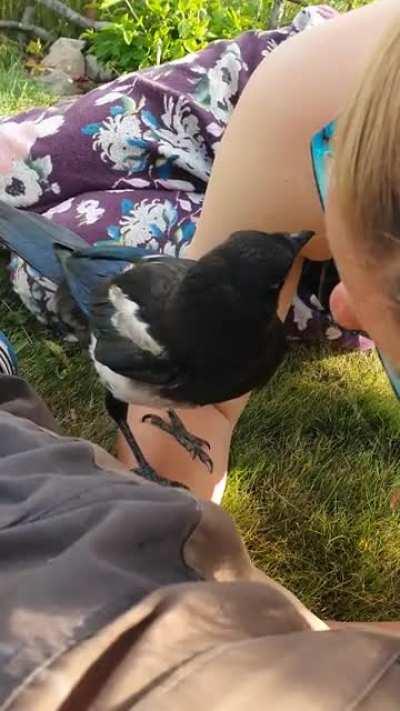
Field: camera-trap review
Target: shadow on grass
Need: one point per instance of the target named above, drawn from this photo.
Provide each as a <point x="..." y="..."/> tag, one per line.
<point x="314" y="461"/>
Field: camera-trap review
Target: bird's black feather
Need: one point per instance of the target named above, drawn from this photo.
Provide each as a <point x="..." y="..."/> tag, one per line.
<point x="215" y="319"/>
<point x="222" y="324"/>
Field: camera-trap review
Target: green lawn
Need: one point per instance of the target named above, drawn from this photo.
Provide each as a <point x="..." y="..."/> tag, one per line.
<point x="313" y="464"/>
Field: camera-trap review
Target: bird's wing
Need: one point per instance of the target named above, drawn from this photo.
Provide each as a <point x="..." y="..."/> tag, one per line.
<point x="33" y="237"/>
<point x="124" y="357"/>
<point x="85" y="270"/>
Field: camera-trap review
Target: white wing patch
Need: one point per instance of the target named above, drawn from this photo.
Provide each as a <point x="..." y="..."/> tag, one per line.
<point x="125" y="389"/>
<point x="128" y="324"/>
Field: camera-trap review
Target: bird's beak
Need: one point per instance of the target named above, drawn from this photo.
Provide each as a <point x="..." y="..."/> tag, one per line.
<point x="298" y="240"/>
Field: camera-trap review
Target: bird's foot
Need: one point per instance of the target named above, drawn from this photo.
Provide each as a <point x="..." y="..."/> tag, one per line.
<point x="147" y="472"/>
<point x="175" y="427"/>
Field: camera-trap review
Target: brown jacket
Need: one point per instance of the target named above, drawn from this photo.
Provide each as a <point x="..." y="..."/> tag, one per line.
<point x="116" y="594"/>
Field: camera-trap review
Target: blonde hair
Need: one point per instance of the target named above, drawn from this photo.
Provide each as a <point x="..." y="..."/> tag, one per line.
<point x="366" y="168"/>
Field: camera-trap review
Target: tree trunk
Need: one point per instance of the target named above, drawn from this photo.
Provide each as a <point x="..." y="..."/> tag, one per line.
<point x="33" y="29"/>
<point x="26" y="19"/>
<point x="73" y="16"/>
<point x="276" y="14"/>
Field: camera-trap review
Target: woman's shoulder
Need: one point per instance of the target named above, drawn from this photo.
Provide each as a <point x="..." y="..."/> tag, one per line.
<point x="321" y="66"/>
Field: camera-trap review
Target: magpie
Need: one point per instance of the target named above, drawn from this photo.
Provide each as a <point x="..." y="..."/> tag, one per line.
<point x="162" y="331"/>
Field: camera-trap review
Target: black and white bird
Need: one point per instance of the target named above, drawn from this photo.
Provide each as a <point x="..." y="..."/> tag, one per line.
<point x="166" y="332"/>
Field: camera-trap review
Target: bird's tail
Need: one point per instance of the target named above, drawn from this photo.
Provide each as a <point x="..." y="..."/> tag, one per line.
<point x="33" y="238"/>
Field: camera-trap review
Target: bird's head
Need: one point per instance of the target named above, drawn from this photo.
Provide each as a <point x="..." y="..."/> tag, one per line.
<point x="225" y="309"/>
<point x="257" y="263"/>
<point x="241" y="276"/>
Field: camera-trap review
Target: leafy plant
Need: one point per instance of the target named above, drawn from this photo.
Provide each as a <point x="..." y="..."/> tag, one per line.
<point x="156" y="31"/>
<point x="35" y="48"/>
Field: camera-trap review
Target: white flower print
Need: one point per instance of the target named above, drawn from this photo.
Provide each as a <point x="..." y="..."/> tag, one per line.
<point x="36" y="292"/>
<point x="189" y="201"/>
<point x="302" y="314"/>
<point x="145" y="222"/>
<point x="196" y="198"/>
<point x="108" y="98"/>
<point x="26" y="182"/>
<point x="113" y="141"/>
<point x="219" y="84"/>
<point x="215" y="130"/>
<point x="58" y="209"/>
<point x="171" y="184"/>
<point x="179" y="137"/>
<point x="119" y="138"/>
<point x="22" y="288"/>
<point x="132" y="182"/>
<point x="49" y="126"/>
<point x="21" y="187"/>
<point x="185" y="205"/>
<point x="270" y="45"/>
<point x="307" y="18"/>
<point x="89" y="212"/>
<point x="43" y="166"/>
<point x="333" y="333"/>
<point x="314" y="301"/>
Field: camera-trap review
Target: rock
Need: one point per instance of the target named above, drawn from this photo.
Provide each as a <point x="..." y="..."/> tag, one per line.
<point x="57" y="82"/>
<point x="97" y="71"/>
<point x="66" y="55"/>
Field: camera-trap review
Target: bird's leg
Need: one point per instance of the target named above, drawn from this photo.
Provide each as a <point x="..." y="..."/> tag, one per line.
<point x="175" y="427"/>
<point x="118" y="411"/>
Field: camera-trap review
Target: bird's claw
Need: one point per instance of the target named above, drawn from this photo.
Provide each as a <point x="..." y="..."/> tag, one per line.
<point x="147" y="472"/>
<point x="203" y="457"/>
<point x="194" y="445"/>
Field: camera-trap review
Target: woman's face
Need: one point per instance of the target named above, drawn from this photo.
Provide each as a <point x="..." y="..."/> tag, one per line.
<point x="361" y="301"/>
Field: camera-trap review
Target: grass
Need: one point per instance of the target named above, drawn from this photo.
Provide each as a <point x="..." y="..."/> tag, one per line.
<point x="313" y="463"/>
<point x="17" y="91"/>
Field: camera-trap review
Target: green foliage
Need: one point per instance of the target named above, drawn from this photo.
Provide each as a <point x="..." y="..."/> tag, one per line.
<point x="154" y="31"/>
<point x="10" y="54"/>
<point x="34" y="48"/>
<point x="149" y="32"/>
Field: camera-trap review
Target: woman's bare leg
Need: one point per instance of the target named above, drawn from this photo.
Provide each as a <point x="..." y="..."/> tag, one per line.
<point x="172" y="461"/>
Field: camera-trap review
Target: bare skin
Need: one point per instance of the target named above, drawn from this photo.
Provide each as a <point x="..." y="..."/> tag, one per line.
<point x="294" y="92"/>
